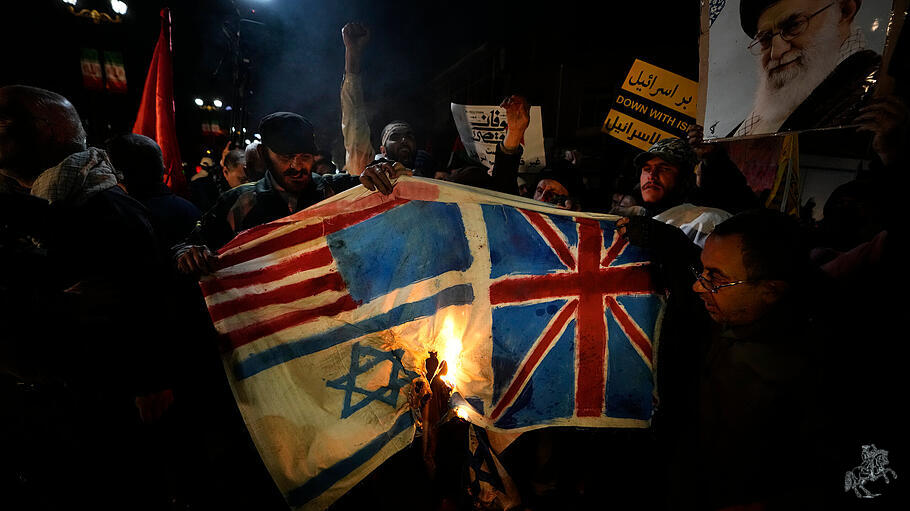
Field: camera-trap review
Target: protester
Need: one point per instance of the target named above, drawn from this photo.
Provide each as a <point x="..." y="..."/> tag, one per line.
<point x="549" y="190"/>
<point x="756" y="284"/>
<point x="397" y="141"/>
<point x="323" y="163"/>
<point x="288" y="148"/>
<point x="887" y="119"/>
<point x="139" y="159"/>
<point x="718" y="181"/>
<point x="666" y="182"/>
<point x="254" y="167"/>
<point x="523" y="189"/>
<point x="502" y="177"/>
<point x="82" y="337"/>
<point x="233" y="168"/>
<point x="207" y="183"/>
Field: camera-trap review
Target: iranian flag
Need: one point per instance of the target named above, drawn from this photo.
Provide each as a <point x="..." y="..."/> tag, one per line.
<point x="91" y="70"/>
<point x="114" y="72"/>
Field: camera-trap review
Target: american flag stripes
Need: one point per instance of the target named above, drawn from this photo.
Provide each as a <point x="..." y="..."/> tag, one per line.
<point x="326" y="317"/>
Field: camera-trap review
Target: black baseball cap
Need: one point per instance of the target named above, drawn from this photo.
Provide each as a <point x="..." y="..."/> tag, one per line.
<point x="288" y="133"/>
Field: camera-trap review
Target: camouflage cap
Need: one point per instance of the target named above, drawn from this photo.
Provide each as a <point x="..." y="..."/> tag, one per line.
<point x="673" y="150"/>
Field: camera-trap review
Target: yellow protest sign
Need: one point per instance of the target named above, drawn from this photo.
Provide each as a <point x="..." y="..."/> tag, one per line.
<point x="653" y="104"/>
<point x="671" y="90"/>
<point x="633" y="131"/>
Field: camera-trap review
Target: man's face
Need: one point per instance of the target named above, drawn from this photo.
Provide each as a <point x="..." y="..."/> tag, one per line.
<point x="737" y="305"/>
<point x="547" y="189"/>
<point x="292" y="171"/>
<point x="235" y="174"/>
<point x="401" y="146"/>
<point x="323" y="165"/>
<point x="658" y="179"/>
<point x="622" y="200"/>
<point x="819" y="42"/>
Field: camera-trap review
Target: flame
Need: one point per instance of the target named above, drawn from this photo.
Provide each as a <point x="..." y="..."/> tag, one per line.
<point x="461" y="412"/>
<point x="450" y="346"/>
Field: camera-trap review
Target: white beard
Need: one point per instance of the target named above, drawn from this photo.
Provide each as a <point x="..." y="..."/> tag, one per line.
<point x="781" y="93"/>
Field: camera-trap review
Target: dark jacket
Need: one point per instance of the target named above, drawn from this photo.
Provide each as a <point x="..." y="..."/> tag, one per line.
<point x="837" y="100"/>
<point x="104" y="331"/>
<point x="501" y="178"/>
<point x="173" y="217"/>
<point x="755" y="383"/>
<point x="252" y="204"/>
<point x="723" y="185"/>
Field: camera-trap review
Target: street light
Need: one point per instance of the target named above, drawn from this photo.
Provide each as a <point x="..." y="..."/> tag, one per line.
<point x="217" y="103"/>
<point x="118" y="6"/>
<point x="198" y="101"/>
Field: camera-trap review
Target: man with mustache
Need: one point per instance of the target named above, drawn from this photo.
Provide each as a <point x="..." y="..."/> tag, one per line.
<point x="812" y="66"/>
<point x="666" y="182"/>
<point x="288" y="150"/>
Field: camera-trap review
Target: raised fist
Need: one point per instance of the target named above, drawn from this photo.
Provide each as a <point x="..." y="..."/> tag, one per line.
<point x="355" y="36"/>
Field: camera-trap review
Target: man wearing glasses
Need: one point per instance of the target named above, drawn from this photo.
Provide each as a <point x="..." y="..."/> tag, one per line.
<point x="762" y="378"/>
<point x="812" y="64"/>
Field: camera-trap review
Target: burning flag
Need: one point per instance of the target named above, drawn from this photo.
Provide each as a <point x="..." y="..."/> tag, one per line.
<point x="539" y="317"/>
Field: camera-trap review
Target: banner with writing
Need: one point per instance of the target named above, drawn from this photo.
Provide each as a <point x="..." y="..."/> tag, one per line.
<point x="482" y="127"/>
<point x="653" y="104"/>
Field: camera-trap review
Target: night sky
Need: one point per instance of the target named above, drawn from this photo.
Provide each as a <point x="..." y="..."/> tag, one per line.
<point x="296" y="58"/>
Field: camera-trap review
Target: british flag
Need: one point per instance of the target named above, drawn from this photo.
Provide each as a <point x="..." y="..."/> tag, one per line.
<point x="573" y="316"/>
<point x="328" y="315"/>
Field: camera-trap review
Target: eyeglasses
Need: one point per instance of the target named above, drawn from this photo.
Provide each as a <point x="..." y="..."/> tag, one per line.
<point x="788" y="30"/>
<point x="712" y="287"/>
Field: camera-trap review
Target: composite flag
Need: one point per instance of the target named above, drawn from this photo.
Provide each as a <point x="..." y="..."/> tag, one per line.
<point x="328" y="315"/>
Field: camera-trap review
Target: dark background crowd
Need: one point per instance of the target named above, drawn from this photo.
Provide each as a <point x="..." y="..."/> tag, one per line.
<point x="781" y="349"/>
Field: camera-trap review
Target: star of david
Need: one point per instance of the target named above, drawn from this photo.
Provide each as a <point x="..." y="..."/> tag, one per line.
<point x="364" y="358"/>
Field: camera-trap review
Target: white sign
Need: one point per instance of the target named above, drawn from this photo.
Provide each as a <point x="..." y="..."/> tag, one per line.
<point x="482" y="127"/>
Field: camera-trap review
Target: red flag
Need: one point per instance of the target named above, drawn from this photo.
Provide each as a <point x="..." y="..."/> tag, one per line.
<point x="156" y="112"/>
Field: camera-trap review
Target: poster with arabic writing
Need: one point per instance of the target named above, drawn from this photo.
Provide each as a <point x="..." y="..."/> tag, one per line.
<point x="481" y="127"/>
<point x="653" y="104"/>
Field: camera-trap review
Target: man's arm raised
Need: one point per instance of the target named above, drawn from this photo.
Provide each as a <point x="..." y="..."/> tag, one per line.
<point x="355" y="127"/>
<point x="508" y="153"/>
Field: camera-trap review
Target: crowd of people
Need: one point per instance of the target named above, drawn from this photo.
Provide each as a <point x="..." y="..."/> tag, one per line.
<point x="779" y="357"/>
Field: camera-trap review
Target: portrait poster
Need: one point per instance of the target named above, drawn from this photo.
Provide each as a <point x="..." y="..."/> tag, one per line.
<point x="789" y="65"/>
<point x="653" y="103"/>
<point x="482" y="127"/>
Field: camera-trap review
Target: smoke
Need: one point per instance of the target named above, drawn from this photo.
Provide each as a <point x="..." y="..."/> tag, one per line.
<point x="298" y="65"/>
